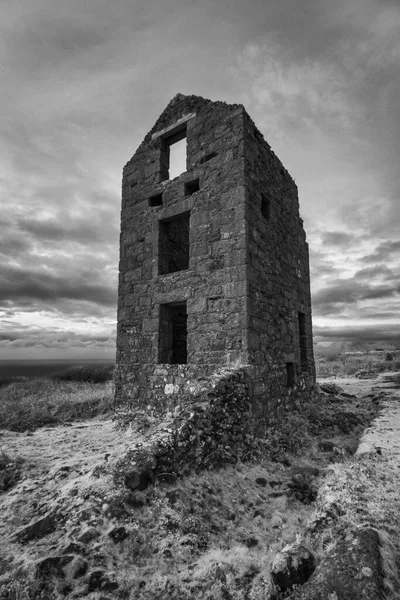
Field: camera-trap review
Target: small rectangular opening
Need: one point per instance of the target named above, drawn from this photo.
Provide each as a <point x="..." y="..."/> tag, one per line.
<point x="191" y="187"/>
<point x="172" y="338"/>
<point x="303" y="341"/>
<point x="174" y="153"/>
<point x="265" y="207"/>
<point x="290" y="374"/>
<point x="156" y="200"/>
<point x="173" y="244"/>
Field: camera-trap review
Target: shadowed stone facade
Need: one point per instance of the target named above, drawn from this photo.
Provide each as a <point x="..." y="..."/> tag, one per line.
<point x="214" y="269"/>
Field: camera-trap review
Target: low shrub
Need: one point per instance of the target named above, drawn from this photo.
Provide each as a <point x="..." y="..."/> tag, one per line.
<point x="346" y="365"/>
<point x="32" y="403"/>
<point x="85" y="373"/>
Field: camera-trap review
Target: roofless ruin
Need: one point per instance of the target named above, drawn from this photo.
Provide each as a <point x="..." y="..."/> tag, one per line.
<point x="214" y="268"/>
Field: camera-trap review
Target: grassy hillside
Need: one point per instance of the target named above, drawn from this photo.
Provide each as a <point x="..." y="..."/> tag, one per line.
<point x="69" y="531"/>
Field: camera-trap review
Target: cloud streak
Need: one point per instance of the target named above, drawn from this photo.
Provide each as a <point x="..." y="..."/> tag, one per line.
<point x="84" y="81"/>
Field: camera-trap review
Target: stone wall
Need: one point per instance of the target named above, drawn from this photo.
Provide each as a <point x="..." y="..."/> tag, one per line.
<point x="212" y="428"/>
<point x="213" y="261"/>
<point x="279" y="309"/>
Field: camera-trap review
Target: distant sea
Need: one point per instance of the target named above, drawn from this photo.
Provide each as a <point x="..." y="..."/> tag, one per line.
<point x="43" y="368"/>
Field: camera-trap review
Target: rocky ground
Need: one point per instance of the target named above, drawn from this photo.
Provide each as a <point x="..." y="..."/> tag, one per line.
<point x="67" y="530"/>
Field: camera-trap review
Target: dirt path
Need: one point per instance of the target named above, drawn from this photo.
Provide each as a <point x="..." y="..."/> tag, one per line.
<point x="384" y="433"/>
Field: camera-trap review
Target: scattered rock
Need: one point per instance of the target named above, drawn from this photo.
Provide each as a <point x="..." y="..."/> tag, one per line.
<point x="172" y="496"/>
<point x="326" y="445"/>
<point x="331" y="388"/>
<point x="275" y="482"/>
<point x="352" y="570"/>
<point x="303" y="488"/>
<point x="347" y="421"/>
<point x="100" y="580"/>
<point x="77" y="568"/>
<point x="276" y="522"/>
<point x="363" y="374"/>
<point x="89" y="535"/>
<point x="52" y="566"/>
<point x="136" y="500"/>
<point x="251" y="542"/>
<point x="277" y="493"/>
<point x="73" y="548"/>
<point x="261" y="481"/>
<point x="166" y="478"/>
<point x="135" y="469"/>
<point x="37" y="529"/>
<point x="138" y="481"/>
<point x="307" y="471"/>
<point x="118" y="534"/>
<point x="10" y="472"/>
<point x="220" y="574"/>
<point x="293" y="565"/>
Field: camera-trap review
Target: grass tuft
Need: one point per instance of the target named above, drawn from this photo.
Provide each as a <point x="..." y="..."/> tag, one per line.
<point x="347" y="365"/>
<point x="32" y="403"/>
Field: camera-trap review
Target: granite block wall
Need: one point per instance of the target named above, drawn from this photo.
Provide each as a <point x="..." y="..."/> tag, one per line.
<point x="213" y="265"/>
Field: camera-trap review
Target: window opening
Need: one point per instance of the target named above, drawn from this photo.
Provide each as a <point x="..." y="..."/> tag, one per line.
<point x="174" y="154"/>
<point x="303" y="341"/>
<point x="173" y="244"/>
<point x="290" y="374"/>
<point x="172" y="338"/>
<point x="265" y="207"/>
<point x="156" y="200"/>
<point x="191" y="187"/>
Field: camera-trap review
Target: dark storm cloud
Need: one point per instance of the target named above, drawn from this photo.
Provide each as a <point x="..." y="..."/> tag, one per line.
<point x="361" y="335"/>
<point x="79" y="78"/>
<point x="33" y="338"/>
<point x="18" y="284"/>
<point x="350" y="291"/>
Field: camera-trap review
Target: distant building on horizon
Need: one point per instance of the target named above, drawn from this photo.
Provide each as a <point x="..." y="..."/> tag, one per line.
<point x="214" y="265"/>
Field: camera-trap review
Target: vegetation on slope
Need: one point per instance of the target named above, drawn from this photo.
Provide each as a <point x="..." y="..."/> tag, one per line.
<point x="32" y="403"/>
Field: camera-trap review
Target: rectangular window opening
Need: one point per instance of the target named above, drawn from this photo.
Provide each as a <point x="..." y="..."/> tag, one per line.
<point x="191" y="187"/>
<point x="303" y="341"/>
<point x="172" y="338"/>
<point x="174" y="154"/>
<point x="156" y="200"/>
<point x="290" y="374"/>
<point x="265" y="207"/>
<point x="173" y="244"/>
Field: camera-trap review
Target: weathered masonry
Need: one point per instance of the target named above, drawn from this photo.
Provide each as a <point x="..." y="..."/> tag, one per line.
<point x="214" y="269"/>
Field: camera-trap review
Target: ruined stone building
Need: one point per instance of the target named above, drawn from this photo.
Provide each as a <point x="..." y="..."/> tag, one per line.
<point x="214" y="268"/>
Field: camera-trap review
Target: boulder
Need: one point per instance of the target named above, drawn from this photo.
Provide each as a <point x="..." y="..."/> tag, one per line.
<point x="276" y="522"/>
<point x="36" y="529"/>
<point x="118" y="534"/>
<point x="364" y="374"/>
<point x="331" y="388"/>
<point x="99" y="580"/>
<point x="302" y="488"/>
<point x="352" y="570"/>
<point x="77" y="568"/>
<point x="52" y="566"/>
<point x="293" y="565"/>
<point x="89" y="535"/>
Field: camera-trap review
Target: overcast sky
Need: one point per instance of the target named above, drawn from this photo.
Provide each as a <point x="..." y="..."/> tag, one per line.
<point x="84" y="80"/>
